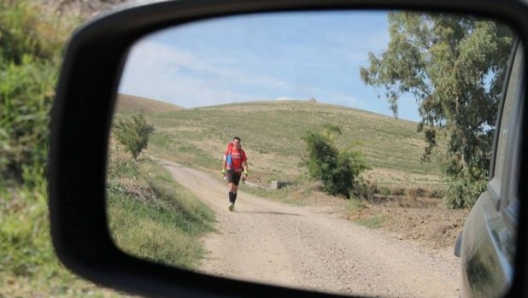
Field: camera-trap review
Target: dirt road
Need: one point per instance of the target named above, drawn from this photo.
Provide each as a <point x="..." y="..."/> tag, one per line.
<point x="305" y="247"/>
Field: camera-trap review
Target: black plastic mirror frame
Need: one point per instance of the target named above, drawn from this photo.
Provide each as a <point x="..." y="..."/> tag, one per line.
<point x="81" y="119"/>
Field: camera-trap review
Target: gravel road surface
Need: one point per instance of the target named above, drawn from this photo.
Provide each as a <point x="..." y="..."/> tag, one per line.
<point x="311" y="248"/>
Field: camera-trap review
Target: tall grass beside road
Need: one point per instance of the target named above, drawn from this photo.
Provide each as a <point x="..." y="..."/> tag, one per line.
<point x="32" y="36"/>
<point x="151" y="216"/>
<point x="28" y="264"/>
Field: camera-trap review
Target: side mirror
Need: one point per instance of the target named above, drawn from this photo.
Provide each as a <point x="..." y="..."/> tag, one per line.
<point x="92" y="77"/>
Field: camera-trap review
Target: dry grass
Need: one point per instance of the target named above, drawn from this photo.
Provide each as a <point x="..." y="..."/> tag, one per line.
<point x="271" y="134"/>
<point x="133" y="104"/>
<point x="392" y="177"/>
<point x="408" y="195"/>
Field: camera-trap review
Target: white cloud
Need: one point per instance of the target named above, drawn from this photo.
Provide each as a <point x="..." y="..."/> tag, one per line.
<point x="150" y="54"/>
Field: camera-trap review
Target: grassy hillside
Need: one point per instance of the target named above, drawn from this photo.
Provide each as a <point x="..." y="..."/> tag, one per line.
<point x="133" y="104"/>
<point x="271" y="134"/>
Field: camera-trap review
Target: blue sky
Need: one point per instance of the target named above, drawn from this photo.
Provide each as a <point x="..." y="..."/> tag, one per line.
<point x="264" y="57"/>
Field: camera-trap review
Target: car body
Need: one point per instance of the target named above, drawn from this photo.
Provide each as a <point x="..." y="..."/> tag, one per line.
<point x="487" y="244"/>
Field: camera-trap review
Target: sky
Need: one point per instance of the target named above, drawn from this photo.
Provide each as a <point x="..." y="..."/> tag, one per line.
<point x="297" y="56"/>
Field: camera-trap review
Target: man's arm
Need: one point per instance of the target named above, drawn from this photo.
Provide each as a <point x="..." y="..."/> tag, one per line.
<point x="244" y="163"/>
<point x="245" y="166"/>
<point x="224" y="164"/>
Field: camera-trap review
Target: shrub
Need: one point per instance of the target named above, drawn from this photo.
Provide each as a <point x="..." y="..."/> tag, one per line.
<point x="134" y="134"/>
<point x="30" y="43"/>
<point x="27" y="92"/>
<point x="338" y="170"/>
<point x="31" y="32"/>
<point x="464" y="189"/>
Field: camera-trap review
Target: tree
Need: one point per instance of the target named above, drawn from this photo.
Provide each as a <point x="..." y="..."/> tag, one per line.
<point x="454" y="66"/>
<point x="134" y="134"/>
<point x="339" y="170"/>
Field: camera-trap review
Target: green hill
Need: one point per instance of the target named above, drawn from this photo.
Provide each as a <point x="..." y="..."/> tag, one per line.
<point x="134" y="104"/>
<point x="271" y="134"/>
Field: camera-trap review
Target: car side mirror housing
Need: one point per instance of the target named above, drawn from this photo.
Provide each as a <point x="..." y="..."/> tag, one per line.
<point x="81" y="121"/>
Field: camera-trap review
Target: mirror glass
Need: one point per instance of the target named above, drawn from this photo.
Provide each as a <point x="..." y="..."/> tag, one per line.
<point x="336" y="151"/>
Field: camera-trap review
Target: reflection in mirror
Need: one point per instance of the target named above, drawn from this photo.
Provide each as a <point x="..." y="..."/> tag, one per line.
<point x="364" y="140"/>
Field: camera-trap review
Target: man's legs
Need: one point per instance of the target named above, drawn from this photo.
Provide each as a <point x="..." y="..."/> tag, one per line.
<point x="233" y="179"/>
<point x="232" y="195"/>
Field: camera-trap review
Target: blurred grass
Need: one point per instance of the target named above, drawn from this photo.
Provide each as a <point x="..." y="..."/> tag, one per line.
<point x="32" y="38"/>
<point x="28" y="265"/>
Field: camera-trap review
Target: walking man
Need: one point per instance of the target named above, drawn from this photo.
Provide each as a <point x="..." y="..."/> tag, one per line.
<point x="234" y="167"/>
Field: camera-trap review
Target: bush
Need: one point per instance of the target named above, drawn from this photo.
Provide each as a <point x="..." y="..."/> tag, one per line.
<point x="339" y="170"/>
<point x="134" y="134"/>
<point x="30" y="43"/>
<point x="464" y="189"/>
<point x="26" y="30"/>
<point x="27" y="92"/>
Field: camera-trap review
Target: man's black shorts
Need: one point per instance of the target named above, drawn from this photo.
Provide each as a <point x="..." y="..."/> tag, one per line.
<point x="233" y="176"/>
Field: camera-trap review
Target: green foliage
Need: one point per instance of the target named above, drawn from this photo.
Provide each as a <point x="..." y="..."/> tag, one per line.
<point x="465" y="188"/>
<point x="338" y="170"/>
<point x="28" y="265"/>
<point x="134" y="134"/>
<point x="26" y="92"/>
<point x="25" y="244"/>
<point x="26" y="30"/>
<point x="30" y="43"/>
<point x="454" y="66"/>
<point x="152" y="217"/>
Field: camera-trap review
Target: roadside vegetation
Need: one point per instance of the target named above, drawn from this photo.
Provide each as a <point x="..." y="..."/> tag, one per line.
<point x="338" y="170"/>
<point x="31" y="40"/>
<point x="152" y="217"/>
<point x="454" y="67"/>
<point x="134" y="134"/>
<point x="32" y="37"/>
